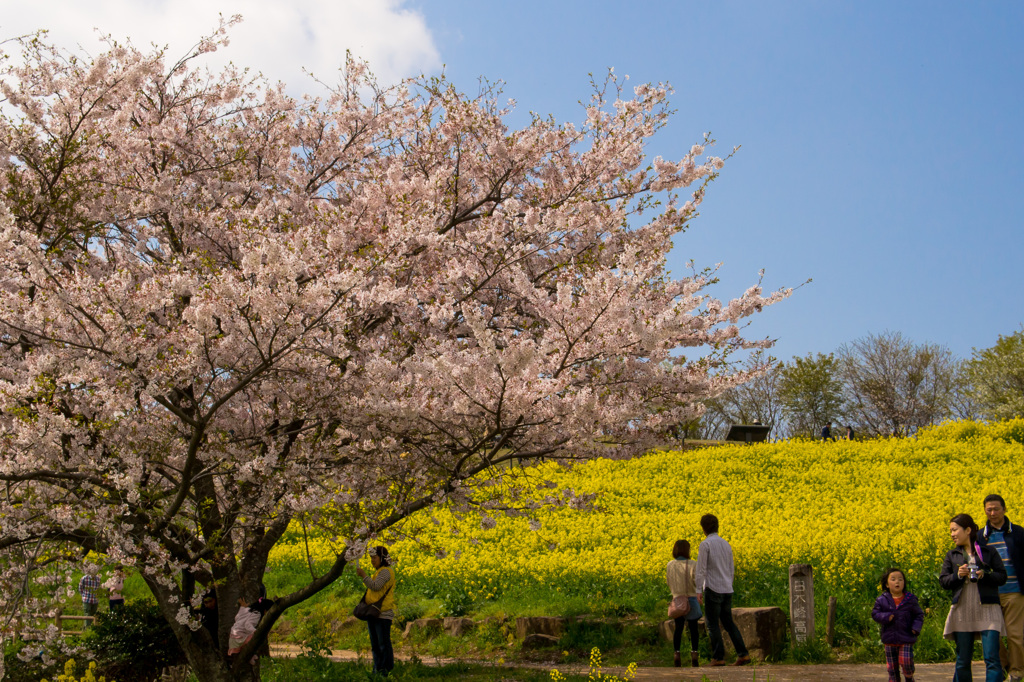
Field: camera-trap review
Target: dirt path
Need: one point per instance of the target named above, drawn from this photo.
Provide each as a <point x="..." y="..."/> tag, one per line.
<point x="931" y="672"/>
<point x="936" y="672"/>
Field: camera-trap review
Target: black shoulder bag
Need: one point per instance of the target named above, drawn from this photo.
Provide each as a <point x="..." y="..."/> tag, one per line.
<point x="364" y="611"/>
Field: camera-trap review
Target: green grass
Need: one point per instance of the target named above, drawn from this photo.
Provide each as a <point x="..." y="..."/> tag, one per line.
<point x="314" y="670"/>
<point x="325" y="617"/>
<point x="856" y="635"/>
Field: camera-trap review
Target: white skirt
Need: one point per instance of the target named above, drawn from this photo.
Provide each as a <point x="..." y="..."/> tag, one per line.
<point x="970" y="615"/>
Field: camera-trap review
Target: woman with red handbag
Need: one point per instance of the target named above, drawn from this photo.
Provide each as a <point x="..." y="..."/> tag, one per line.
<point x="684" y="608"/>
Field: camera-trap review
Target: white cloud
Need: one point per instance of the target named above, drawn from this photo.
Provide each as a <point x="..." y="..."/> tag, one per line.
<point x="278" y="38"/>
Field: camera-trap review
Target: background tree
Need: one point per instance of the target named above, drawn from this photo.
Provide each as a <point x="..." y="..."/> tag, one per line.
<point x="755" y="400"/>
<point x="811" y="393"/>
<point x="714" y="423"/>
<point x="996" y="377"/>
<point x="963" y="403"/>
<point x="222" y="309"/>
<point x="894" y="386"/>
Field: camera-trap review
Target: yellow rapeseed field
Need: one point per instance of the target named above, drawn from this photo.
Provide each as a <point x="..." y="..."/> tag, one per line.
<point x="847" y="508"/>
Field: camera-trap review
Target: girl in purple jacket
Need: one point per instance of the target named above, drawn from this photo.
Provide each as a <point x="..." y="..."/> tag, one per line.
<point x="901" y="619"/>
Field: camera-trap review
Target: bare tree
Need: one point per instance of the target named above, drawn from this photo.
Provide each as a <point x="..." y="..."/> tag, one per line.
<point x="757" y="400"/>
<point x="964" y="402"/>
<point x="894" y="386"/>
<point x="715" y="421"/>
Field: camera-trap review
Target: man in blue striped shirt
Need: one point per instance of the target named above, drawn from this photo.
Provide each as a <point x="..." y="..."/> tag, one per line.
<point x="1008" y="539"/>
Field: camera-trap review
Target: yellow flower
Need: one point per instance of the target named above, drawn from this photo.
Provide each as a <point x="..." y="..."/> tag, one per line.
<point x="866" y="504"/>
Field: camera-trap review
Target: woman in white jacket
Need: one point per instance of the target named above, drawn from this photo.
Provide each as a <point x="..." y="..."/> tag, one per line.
<point x="681" y="576"/>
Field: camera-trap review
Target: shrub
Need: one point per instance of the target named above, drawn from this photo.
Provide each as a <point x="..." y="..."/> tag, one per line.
<point x="19" y="667"/>
<point x="134" y="643"/>
<point x="455" y="602"/>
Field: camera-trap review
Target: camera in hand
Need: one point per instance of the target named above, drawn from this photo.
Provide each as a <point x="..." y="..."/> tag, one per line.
<point x="972" y="568"/>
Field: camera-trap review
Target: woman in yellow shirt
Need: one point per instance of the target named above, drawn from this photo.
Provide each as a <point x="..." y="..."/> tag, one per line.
<point x="382" y="584"/>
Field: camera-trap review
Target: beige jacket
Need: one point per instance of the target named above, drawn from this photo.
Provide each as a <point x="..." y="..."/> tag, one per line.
<point x="681" y="577"/>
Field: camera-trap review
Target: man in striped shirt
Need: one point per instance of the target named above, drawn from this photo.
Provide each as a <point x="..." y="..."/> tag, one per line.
<point x="1008" y="539"/>
<point x="714" y="589"/>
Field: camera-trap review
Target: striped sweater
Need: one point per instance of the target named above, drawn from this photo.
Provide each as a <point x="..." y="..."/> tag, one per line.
<point x="375" y="590"/>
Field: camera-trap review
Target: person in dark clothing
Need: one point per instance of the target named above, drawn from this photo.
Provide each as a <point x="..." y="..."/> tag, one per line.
<point x="973" y="574"/>
<point x="901" y="618"/>
<point x="826" y="431"/>
<point x="1007" y="539"/>
<point x="208" y="615"/>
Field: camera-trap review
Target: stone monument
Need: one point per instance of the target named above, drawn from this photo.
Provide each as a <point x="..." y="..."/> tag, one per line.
<point x="801" y="602"/>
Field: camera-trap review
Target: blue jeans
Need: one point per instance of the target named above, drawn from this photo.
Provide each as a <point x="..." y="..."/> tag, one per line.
<point x="989" y="650"/>
<point x="380" y="645"/>
<point x="718" y="607"/>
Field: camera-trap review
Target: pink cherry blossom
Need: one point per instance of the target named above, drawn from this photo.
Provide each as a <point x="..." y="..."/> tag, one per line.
<point x="223" y="310"/>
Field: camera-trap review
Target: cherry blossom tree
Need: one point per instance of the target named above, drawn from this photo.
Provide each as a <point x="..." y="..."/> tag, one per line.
<point x="223" y="309"/>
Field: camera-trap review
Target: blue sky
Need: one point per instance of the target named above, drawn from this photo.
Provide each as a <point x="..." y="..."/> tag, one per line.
<point x="882" y="143"/>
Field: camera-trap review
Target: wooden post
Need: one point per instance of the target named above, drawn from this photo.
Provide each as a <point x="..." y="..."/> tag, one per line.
<point x="801" y="602"/>
<point x="830" y="622"/>
<point x="57" y="619"/>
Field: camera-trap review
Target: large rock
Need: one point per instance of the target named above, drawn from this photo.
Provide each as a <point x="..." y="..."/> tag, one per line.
<point x="667" y="629"/>
<point x="422" y="624"/>
<point x="537" y="641"/>
<point x="174" y="673"/>
<point x="763" y="630"/>
<point x="537" y="625"/>
<point x="457" y="627"/>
